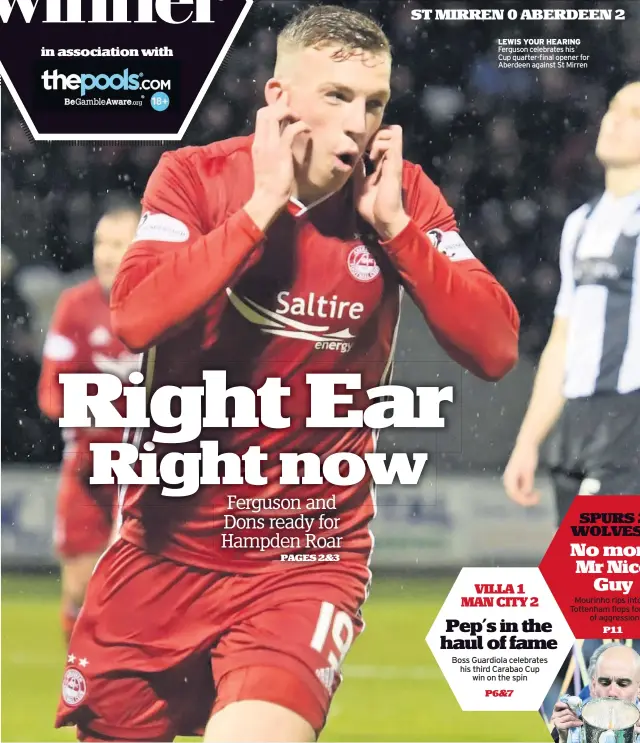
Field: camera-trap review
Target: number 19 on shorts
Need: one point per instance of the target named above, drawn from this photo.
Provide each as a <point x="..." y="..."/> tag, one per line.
<point x="340" y="626"/>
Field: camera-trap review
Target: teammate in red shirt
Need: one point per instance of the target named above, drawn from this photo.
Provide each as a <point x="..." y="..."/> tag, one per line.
<point x="274" y="255"/>
<point x="80" y="339"/>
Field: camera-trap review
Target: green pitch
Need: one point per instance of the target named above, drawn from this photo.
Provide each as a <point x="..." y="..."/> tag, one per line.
<point x="392" y="688"/>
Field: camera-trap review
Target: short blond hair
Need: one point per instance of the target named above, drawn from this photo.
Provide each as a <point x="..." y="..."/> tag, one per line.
<point x="321" y="26"/>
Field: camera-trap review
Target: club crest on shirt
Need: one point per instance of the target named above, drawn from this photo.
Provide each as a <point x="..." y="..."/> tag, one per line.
<point x="362" y="265"/>
<point x="74" y="687"/>
<point x="99" y="336"/>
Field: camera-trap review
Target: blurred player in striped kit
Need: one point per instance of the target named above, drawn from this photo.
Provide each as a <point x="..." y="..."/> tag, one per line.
<point x="80" y="340"/>
<point x="588" y="379"/>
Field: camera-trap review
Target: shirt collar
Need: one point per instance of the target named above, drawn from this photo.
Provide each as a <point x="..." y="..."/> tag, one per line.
<point x="622" y="201"/>
<point x="298" y="209"/>
<point x="295" y="207"/>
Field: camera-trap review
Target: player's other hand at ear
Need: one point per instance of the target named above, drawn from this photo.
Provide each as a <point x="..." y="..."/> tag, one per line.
<point x="379" y="195"/>
<point x="276" y="129"/>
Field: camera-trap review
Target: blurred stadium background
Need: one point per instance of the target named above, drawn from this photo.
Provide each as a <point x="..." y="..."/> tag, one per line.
<point x="512" y="151"/>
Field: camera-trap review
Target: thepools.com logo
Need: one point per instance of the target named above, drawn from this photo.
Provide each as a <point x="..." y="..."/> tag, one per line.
<point x="55" y="80"/>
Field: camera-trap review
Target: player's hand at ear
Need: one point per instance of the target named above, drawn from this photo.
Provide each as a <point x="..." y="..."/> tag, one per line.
<point x="276" y="129"/>
<point x="379" y="195"/>
<point x="273" y="168"/>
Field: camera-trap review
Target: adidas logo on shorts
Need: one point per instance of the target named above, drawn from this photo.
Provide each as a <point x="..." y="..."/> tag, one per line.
<point x="326" y="677"/>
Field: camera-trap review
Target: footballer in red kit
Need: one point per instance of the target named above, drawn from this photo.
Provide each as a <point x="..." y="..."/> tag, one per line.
<point x="80" y="339"/>
<point x="281" y="254"/>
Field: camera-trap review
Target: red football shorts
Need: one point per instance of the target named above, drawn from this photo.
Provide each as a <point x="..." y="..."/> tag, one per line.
<point x="84" y="515"/>
<point x="159" y="646"/>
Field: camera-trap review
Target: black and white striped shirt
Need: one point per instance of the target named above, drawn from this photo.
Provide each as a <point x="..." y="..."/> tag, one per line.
<point x="600" y="296"/>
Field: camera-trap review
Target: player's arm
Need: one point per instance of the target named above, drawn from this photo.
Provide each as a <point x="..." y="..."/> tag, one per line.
<point x="470" y="314"/>
<point x="547" y="398"/>
<point x="175" y="267"/>
<point x="65" y="351"/>
<point x="61" y="354"/>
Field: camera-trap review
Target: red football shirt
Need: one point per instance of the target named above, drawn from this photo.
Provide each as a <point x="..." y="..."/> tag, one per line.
<point x="80" y="340"/>
<point x="202" y="288"/>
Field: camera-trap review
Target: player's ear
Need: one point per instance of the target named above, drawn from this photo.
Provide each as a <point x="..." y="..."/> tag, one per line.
<point x="273" y="91"/>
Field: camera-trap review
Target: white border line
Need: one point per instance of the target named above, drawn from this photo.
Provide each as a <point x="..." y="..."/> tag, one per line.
<point x="133" y="137"/>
